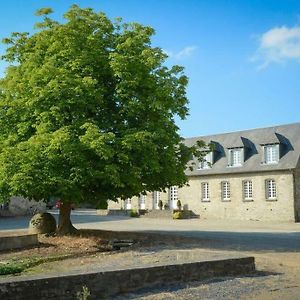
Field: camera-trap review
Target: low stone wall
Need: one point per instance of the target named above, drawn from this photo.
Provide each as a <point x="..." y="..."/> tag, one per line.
<point x="117" y="212"/>
<point x="103" y="284"/>
<point x="102" y="212"/>
<point x="18" y="241"/>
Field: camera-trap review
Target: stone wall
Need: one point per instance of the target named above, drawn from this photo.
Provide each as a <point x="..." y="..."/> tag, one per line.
<point x="135" y="202"/>
<point x="297" y="191"/>
<point x="280" y="209"/>
<point x="19" y="206"/>
<point x="18" y="241"/>
<point x="103" y="284"/>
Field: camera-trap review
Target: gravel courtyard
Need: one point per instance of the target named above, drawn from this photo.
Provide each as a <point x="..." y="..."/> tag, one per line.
<point x="275" y="246"/>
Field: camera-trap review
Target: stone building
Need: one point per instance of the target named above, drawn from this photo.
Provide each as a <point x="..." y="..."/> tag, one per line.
<point x="250" y="175"/>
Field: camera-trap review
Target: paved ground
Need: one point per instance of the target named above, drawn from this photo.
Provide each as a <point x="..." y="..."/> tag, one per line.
<point x="231" y="235"/>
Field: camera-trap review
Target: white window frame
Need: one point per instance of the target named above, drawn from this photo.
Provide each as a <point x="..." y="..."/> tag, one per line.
<point x="142" y="201"/>
<point x="271" y="189"/>
<point x="205" y="192"/>
<point x="206" y="162"/>
<point x="271" y="154"/>
<point x="225" y="191"/>
<point x="247" y="190"/>
<point x="173" y="196"/>
<point x="156" y="198"/>
<point x="128" y="203"/>
<point x="232" y="158"/>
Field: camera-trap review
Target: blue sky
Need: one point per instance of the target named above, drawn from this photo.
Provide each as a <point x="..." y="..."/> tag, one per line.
<point x="242" y="57"/>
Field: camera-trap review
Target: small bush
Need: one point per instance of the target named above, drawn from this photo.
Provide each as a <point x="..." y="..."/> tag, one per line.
<point x="84" y="294"/>
<point x="178" y="215"/>
<point x="179" y="204"/>
<point x="11" y="269"/>
<point x="160" y="204"/>
<point x="134" y="213"/>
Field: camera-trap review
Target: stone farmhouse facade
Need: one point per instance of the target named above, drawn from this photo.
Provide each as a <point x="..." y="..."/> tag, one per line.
<point x="250" y="175"/>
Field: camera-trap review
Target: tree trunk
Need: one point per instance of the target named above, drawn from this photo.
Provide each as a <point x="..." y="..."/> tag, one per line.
<point x="64" y="222"/>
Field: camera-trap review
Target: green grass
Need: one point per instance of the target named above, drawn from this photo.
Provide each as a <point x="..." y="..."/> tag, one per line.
<point x="16" y="266"/>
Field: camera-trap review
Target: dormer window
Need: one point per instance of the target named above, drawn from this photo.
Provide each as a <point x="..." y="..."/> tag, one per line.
<point x="271" y="154"/>
<point x="206" y="162"/>
<point x="235" y="157"/>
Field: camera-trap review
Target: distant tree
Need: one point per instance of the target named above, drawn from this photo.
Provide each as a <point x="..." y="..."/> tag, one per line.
<point x="87" y="111"/>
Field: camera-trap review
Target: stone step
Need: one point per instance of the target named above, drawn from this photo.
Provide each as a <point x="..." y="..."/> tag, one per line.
<point x="158" y="214"/>
<point x="167" y="214"/>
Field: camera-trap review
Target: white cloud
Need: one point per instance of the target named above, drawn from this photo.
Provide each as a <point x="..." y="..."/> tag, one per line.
<point x="185" y="52"/>
<point x="278" y="45"/>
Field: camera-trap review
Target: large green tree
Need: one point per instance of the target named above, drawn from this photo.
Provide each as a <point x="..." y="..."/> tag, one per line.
<point x="87" y="110"/>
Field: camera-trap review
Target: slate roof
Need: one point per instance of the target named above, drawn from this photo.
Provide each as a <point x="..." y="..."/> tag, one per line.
<point x="288" y="136"/>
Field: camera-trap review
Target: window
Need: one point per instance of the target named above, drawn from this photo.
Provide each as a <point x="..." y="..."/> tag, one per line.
<point x="271" y="154"/>
<point x="142" y="201"/>
<point x="270" y="189"/>
<point x="173" y="196"/>
<point x="236" y="157"/>
<point x="128" y="203"/>
<point x="156" y="198"/>
<point x="204" y="191"/>
<point x="247" y="190"/>
<point x="206" y="162"/>
<point x="225" y="190"/>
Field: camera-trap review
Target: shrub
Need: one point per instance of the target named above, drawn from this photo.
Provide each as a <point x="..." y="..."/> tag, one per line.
<point x="179" y="204"/>
<point x="166" y="206"/>
<point x="178" y="215"/>
<point x="160" y="204"/>
<point x="134" y="213"/>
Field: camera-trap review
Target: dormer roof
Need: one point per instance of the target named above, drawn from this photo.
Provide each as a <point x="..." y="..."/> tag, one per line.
<point x="253" y="141"/>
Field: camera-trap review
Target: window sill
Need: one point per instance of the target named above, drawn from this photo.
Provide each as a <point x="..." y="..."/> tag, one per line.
<point x="237" y="166"/>
<point x="271" y="199"/>
<point x="226" y="200"/>
<point x="205" y="200"/>
<point x="247" y="200"/>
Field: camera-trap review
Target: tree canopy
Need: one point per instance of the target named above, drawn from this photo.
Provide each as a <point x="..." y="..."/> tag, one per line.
<point x="87" y="111"/>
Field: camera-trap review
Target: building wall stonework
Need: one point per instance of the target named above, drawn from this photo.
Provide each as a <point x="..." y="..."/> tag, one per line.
<point x="281" y="209"/>
<point x="261" y="209"/>
<point x="297" y="191"/>
<point x="20" y="206"/>
<point x="135" y="202"/>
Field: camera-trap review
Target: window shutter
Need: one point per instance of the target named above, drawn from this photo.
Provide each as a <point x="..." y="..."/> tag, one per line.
<point x="222" y="190"/>
<point x="278" y="147"/>
<point x="243" y="189"/>
<point x="267" y="189"/>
